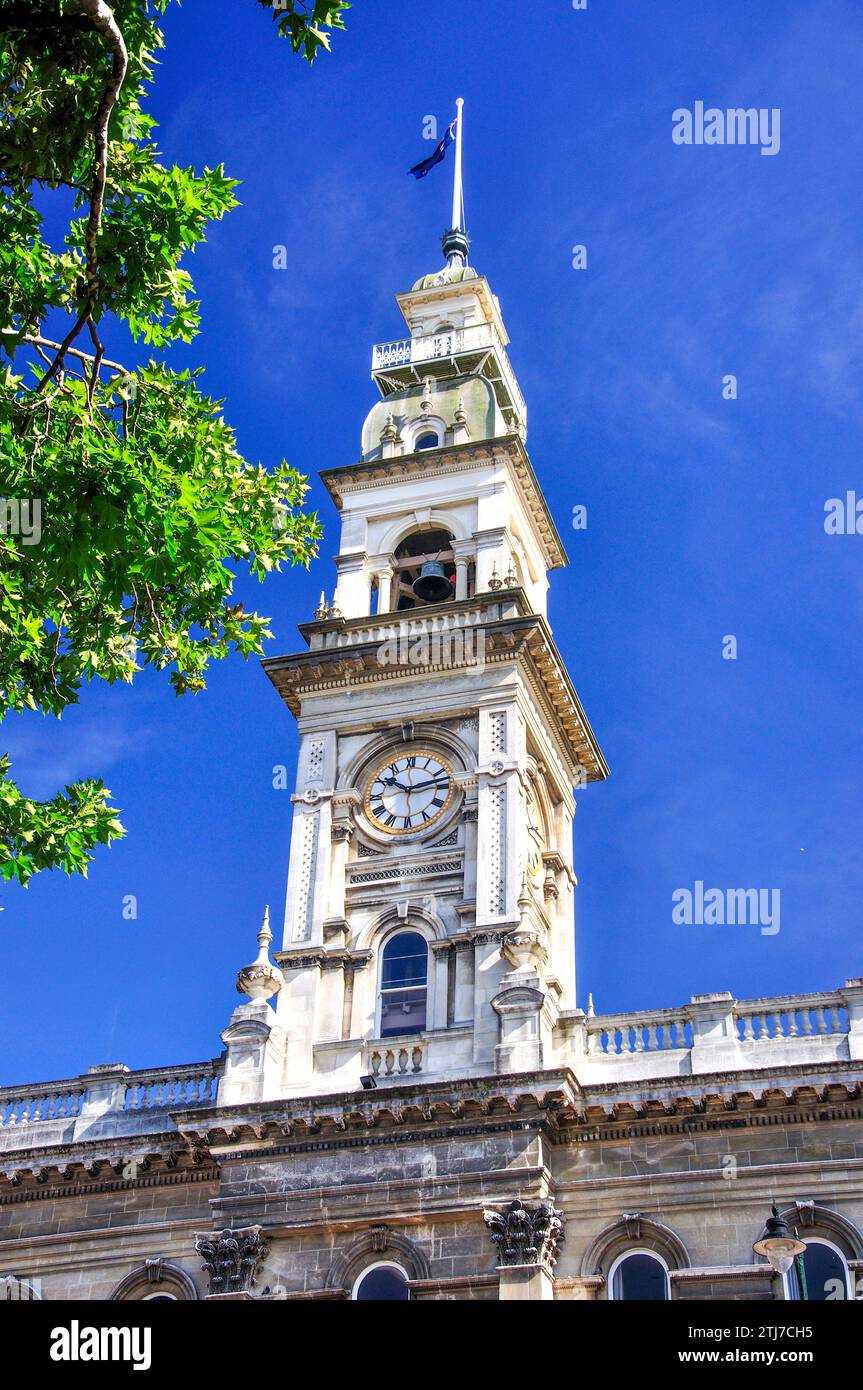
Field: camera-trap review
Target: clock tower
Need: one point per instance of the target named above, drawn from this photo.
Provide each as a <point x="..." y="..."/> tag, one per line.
<point x="430" y="919"/>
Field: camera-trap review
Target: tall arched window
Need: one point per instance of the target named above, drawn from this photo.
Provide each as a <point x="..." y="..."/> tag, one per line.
<point x="638" y="1276"/>
<point x="826" y="1272"/>
<point x="404" y="983"/>
<point x="384" y="1282"/>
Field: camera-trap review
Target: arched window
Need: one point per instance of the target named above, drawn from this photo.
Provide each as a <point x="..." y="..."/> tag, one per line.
<point x="157" y="1280"/>
<point x="384" y="1282"/>
<point x="826" y="1273"/>
<point x="411" y="554"/>
<point x="638" y="1276"/>
<point x="427" y="441"/>
<point x="404" y="980"/>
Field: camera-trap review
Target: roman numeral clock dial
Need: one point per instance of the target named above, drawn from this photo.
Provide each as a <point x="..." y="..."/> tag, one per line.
<point x="409" y="793"/>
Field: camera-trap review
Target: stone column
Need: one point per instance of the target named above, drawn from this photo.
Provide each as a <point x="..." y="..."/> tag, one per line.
<point x="526" y="1282"/>
<point x="331" y="1003"/>
<point x="469" y="814"/>
<point x="464" y="553"/>
<point x="440" y="952"/>
<point x="488" y="970"/>
<point x="352" y="596"/>
<point x="382" y="568"/>
<point x="464" y="969"/>
<point x="341" y="834"/>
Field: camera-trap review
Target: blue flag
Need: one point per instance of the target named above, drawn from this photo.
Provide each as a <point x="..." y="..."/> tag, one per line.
<point x="425" y="166"/>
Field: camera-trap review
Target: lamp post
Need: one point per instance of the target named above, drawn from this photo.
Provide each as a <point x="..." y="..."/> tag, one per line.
<point x="781" y="1248"/>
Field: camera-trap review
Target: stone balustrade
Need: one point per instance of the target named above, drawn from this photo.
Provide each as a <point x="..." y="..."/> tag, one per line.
<point x="801" y="1015"/>
<point x="396" y="1057"/>
<point x="716" y="1032"/>
<point x="615" y="1035"/>
<point x="431" y="347"/>
<point x="49" y="1100"/>
<point x="109" y="1089"/>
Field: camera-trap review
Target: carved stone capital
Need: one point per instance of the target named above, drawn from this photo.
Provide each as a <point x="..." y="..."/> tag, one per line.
<point x="526" y="1235"/>
<point x="232" y="1258"/>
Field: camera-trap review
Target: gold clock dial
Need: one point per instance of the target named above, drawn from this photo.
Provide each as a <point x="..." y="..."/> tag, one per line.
<point x="535" y="838"/>
<point x="409" y="792"/>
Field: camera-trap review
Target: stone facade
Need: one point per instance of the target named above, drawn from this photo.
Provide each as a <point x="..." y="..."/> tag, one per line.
<point x="424" y="1096"/>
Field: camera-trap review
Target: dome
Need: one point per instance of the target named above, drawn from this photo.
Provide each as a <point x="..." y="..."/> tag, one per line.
<point x="450" y="275"/>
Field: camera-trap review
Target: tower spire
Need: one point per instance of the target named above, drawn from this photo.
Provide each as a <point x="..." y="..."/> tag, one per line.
<point x="455" y="240"/>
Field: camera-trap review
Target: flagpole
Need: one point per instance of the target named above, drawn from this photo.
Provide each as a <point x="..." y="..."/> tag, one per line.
<point x="457" y="200"/>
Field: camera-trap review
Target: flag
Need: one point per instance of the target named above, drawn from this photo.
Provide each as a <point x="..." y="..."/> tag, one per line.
<point x="425" y="166"/>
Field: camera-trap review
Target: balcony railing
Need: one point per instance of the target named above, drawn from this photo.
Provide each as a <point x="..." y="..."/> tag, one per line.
<point x="395" y="1057"/>
<point x="753" y="1032"/>
<point x="653" y="1031"/>
<point x="110" y="1089"/>
<point x="436" y="347"/>
<point x="800" y="1016"/>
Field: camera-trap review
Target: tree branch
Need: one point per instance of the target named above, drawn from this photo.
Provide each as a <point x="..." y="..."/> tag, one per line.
<point x="102" y="18"/>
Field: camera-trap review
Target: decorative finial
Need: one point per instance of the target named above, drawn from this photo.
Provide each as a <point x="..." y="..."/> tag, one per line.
<point x="426" y="402"/>
<point x="321" y="610"/>
<point x="334" y="611"/>
<point x="460" y="416"/>
<point x="591" y="1012"/>
<point x="261" y="979"/>
<point x="510" y="579"/>
<point x="265" y="936"/>
<point x="389" y="430"/>
<point x="524" y="898"/>
<point x="495" y="582"/>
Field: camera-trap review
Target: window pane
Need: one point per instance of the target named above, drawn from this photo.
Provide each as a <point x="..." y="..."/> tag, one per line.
<point x="405" y="961"/>
<point x="640" y="1278"/>
<point x="402" y="1011"/>
<point x="427" y="441"/>
<point x="826" y="1279"/>
<point x="383" y="1283"/>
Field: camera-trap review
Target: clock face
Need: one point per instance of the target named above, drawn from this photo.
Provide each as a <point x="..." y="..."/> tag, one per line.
<point x="409" y="793"/>
<point x="534" y="838"/>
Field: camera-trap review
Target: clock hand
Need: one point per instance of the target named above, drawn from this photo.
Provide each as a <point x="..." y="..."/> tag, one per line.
<point x="411" y="786"/>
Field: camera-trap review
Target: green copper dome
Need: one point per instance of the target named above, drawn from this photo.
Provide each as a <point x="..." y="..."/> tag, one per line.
<point x="450" y="275"/>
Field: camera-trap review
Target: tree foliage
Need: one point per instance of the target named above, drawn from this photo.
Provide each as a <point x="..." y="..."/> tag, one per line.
<point x="145" y="506"/>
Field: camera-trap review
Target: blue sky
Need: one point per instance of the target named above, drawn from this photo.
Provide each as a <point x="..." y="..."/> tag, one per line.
<point x="705" y="516"/>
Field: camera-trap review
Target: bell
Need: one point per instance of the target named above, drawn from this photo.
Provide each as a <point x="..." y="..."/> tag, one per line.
<point x="431" y="584"/>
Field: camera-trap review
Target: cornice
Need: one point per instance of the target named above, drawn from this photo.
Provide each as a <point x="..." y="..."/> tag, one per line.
<point x="455" y="458"/>
<point x="552" y="1103"/>
<point x="526" y="637"/>
<point x="48" y="1174"/>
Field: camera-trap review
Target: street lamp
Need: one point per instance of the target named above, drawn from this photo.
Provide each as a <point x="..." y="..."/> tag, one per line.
<point x="777" y="1244"/>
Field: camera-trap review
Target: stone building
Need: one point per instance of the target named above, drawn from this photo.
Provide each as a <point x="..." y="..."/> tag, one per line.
<point x="423" y="1110"/>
